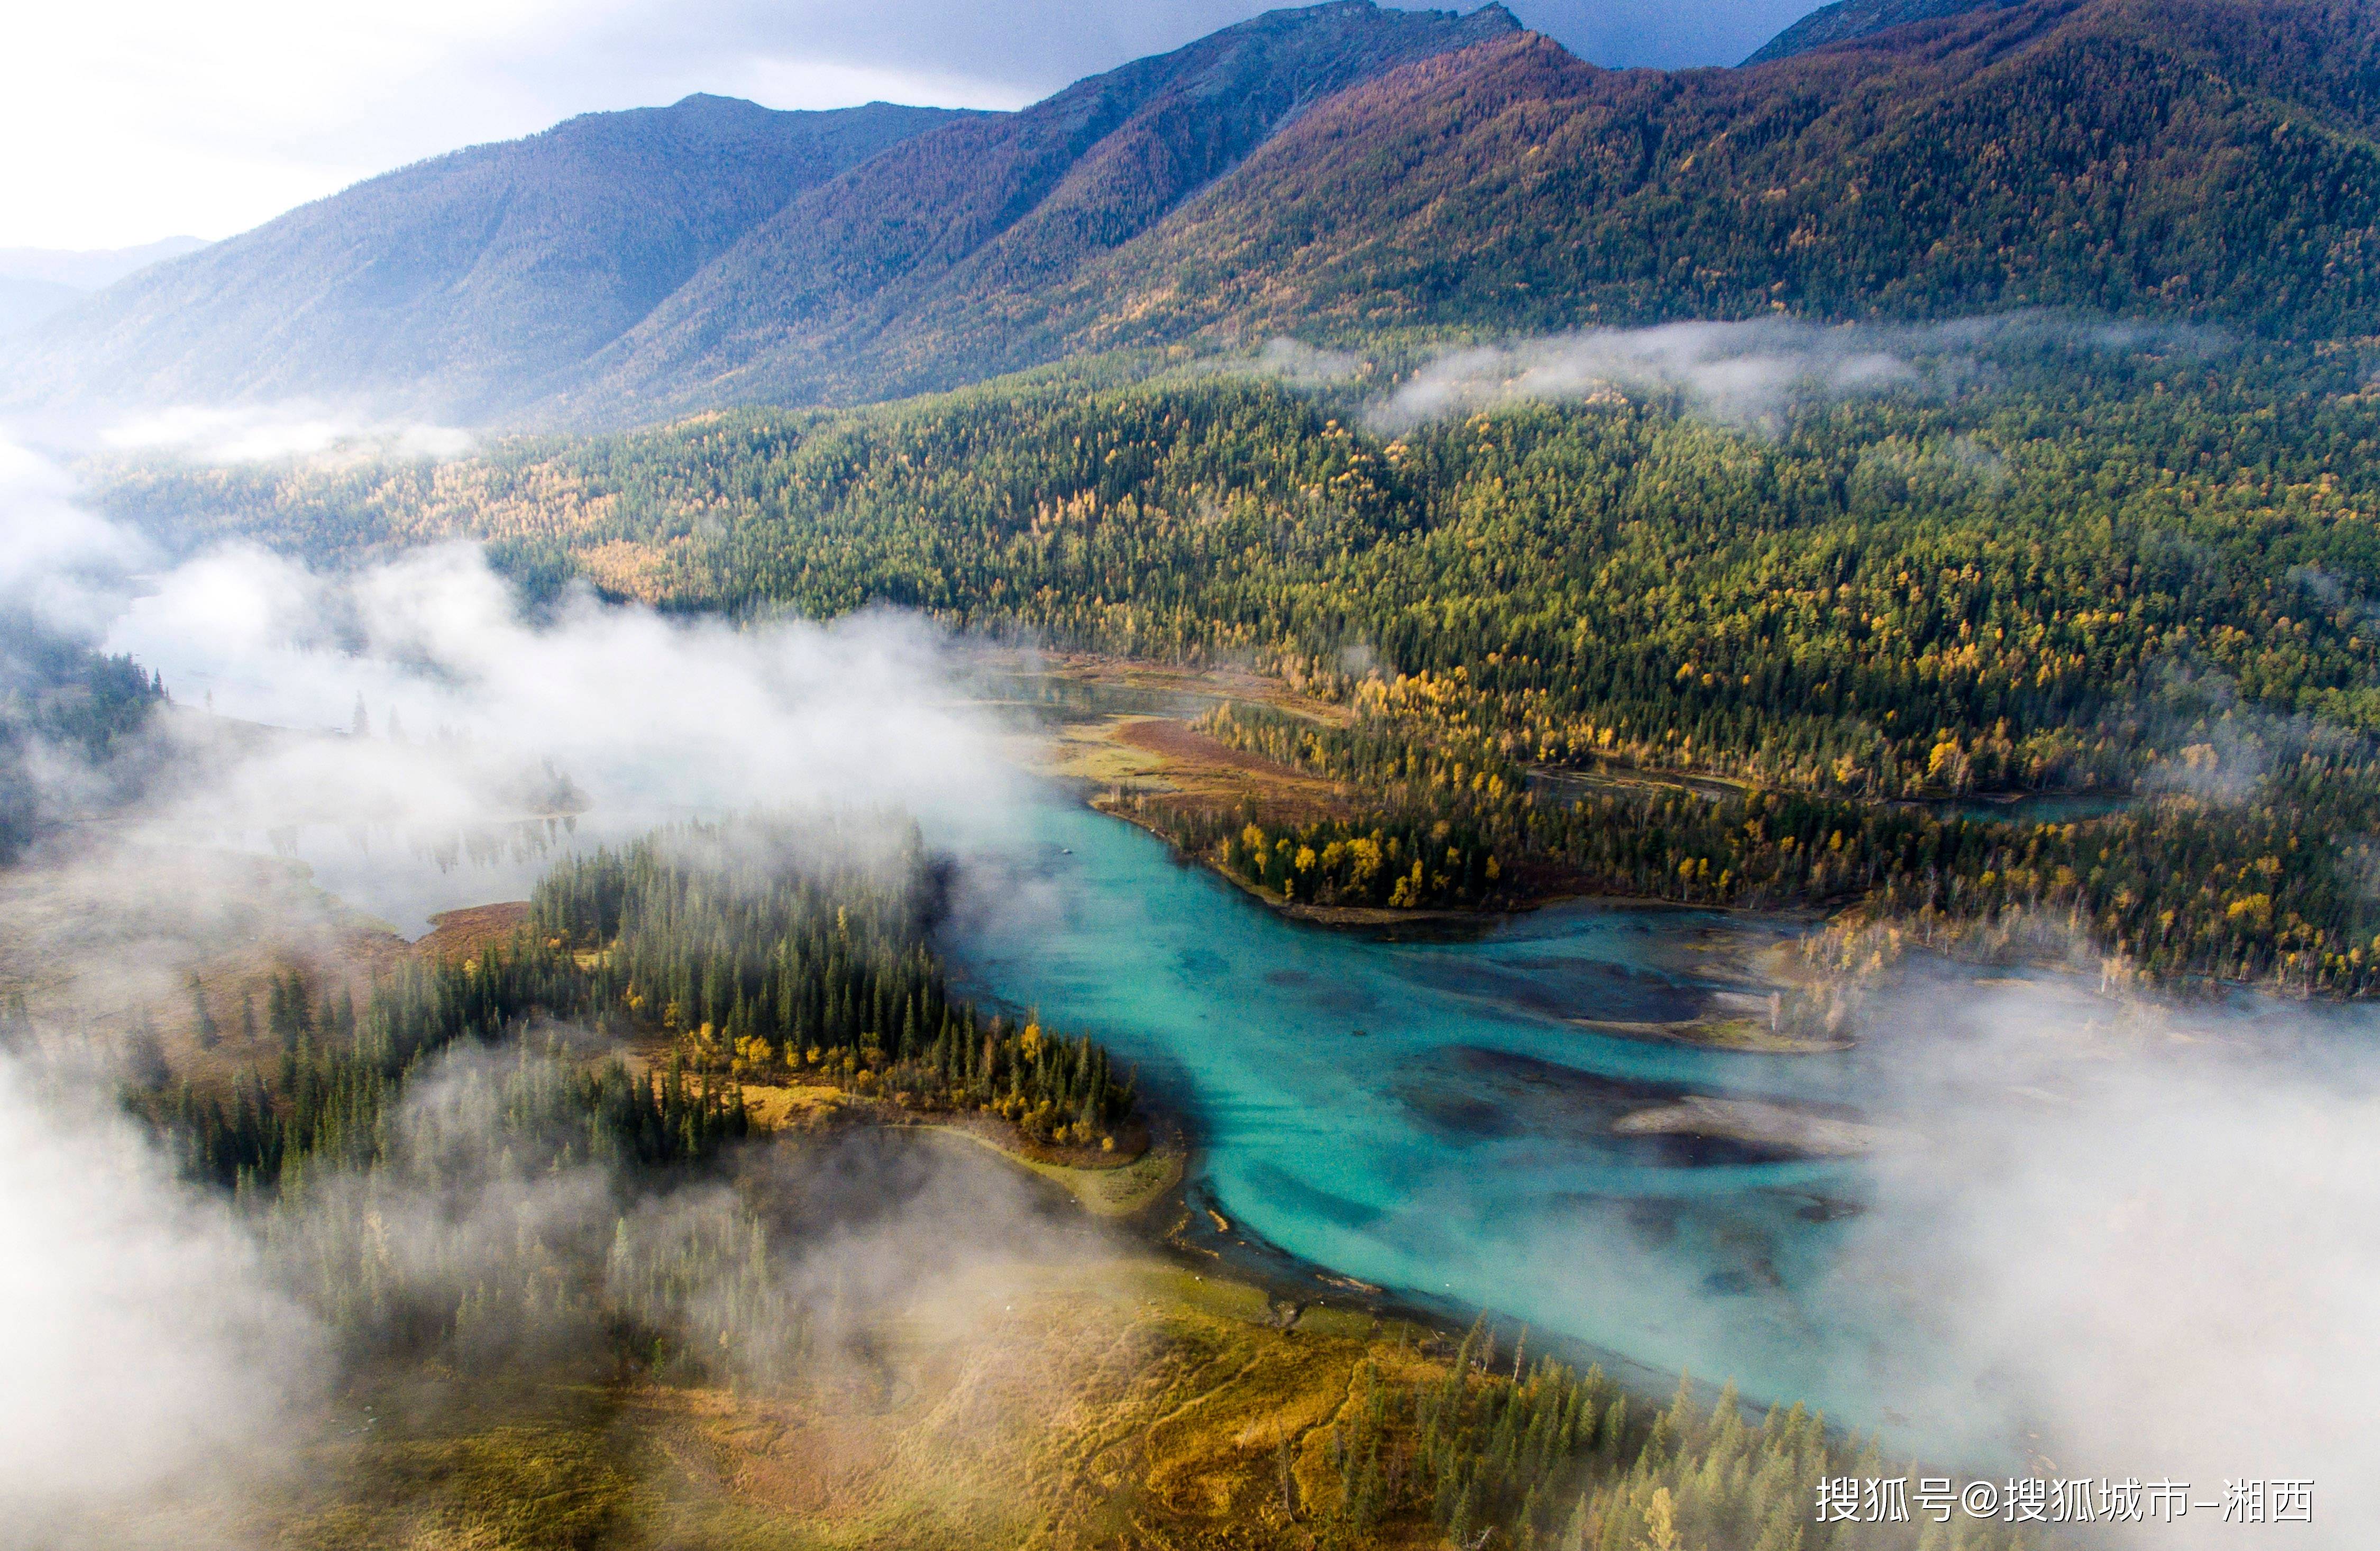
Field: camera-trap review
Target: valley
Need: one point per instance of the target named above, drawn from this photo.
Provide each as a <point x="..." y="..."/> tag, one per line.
<point x="1327" y="780"/>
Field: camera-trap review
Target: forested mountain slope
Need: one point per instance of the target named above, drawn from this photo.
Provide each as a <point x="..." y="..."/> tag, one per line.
<point x="2200" y="159"/>
<point x="459" y="284"/>
<point x="2208" y="160"/>
<point x="908" y="270"/>
<point x="1342" y="172"/>
<point x="473" y="285"/>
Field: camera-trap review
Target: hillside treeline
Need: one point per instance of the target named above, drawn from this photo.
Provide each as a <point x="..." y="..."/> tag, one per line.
<point x="2174" y="884"/>
<point x="2128" y="573"/>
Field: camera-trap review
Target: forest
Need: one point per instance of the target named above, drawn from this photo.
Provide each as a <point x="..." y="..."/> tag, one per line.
<point x="755" y="947"/>
<point x="61" y="701"/>
<point x="2138" y="571"/>
<point x="752" y="948"/>
<point x="416" y="1174"/>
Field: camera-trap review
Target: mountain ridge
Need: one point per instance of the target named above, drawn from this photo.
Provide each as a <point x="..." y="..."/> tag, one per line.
<point x="1912" y="174"/>
<point x="446" y="285"/>
<point x="1070" y="178"/>
<point x="1343" y="171"/>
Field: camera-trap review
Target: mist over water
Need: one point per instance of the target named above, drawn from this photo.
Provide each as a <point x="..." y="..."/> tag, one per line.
<point x="2113" y="1238"/>
<point x="1426" y="1117"/>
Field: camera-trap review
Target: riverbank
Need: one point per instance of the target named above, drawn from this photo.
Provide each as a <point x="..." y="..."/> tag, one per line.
<point x="1126" y="763"/>
<point x="1751" y="983"/>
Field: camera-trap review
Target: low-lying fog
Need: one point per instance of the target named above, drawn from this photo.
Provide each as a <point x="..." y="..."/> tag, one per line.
<point x="2162" y="1261"/>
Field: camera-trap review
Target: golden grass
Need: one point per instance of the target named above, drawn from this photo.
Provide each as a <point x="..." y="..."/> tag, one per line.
<point x="1104" y="1192"/>
<point x="1113" y="1402"/>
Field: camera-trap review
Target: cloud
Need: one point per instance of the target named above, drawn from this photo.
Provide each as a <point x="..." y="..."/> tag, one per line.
<point x="146" y="1355"/>
<point x="643" y="712"/>
<point x="1742" y="373"/>
<point x="476" y="717"/>
<point x="2144" y="1239"/>
<point x="169" y="1358"/>
<point x="1294" y="362"/>
<point x="60" y="562"/>
<point x="179" y="1368"/>
<point x="269" y="433"/>
<point x="1739" y="374"/>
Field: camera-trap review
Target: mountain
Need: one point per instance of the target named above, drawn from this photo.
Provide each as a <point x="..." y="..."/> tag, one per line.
<point x="37" y="283"/>
<point x="860" y="287"/>
<point x="475" y="284"/>
<point x="1846" y="19"/>
<point x="2210" y="160"/>
<point x="455" y="286"/>
<point x="1342" y="172"/>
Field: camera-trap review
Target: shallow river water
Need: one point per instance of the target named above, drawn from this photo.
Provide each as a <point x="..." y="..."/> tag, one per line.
<point x="1424" y="1116"/>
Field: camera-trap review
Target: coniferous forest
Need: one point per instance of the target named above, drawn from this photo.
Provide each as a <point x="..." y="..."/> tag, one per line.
<point x="755" y="948"/>
<point x="58" y="697"/>
<point x="1830" y="652"/>
<point x="416" y="1172"/>
<point x="1757" y="685"/>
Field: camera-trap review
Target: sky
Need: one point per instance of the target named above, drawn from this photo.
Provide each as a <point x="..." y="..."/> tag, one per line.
<point x="137" y="120"/>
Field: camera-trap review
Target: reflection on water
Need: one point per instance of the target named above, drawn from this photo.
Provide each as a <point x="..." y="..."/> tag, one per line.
<point x="1429" y="1117"/>
<point x="1565" y="784"/>
<point x="2053" y="807"/>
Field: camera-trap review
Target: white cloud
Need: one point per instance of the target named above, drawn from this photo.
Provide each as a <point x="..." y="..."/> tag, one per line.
<point x="265" y="432"/>
<point x="1742" y="373"/>
<point x="57" y="558"/>
<point x="143" y="1353"/>
<point x="2141" y="1239"/>
<point x="1738" y="372"/>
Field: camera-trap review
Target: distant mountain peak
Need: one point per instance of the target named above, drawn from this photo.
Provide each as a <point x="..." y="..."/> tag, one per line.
<point x="965" y="224"/>
<point x="87" y="269"/>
